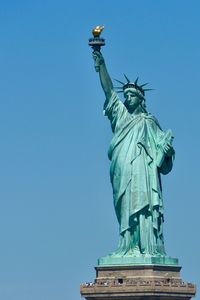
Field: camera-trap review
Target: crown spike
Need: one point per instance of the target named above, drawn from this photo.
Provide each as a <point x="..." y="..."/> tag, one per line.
<point x="148" y="90"/>
<point x="143" y="84"/>
<point x="126" y="78"/>
<point x="119" y="81"/>
<point x="136" y="81"/>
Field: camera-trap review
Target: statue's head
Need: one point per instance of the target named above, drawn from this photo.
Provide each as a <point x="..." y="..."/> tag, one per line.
<point x="133" y="98"/>
<point x="134" y="93"/>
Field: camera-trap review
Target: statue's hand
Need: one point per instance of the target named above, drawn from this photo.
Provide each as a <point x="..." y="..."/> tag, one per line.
<point x="168" y="150"/>
<point x="98" y="60"/>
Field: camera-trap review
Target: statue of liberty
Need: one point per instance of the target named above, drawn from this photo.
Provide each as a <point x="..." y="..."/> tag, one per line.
<point x="140" y="151"/>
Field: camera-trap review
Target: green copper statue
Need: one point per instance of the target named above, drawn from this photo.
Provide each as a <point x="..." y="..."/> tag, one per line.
<point x="140" y="151"/>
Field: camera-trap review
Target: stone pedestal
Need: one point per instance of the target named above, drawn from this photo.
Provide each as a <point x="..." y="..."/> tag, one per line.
<point x="138" y="282"/>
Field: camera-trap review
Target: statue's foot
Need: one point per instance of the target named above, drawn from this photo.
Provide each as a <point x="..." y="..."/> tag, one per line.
<point x="154" y="254"/>
<point x="133" y="252"/>
<point x="119" y="252"/>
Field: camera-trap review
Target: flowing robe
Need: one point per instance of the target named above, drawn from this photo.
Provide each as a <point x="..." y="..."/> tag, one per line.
<point x="135" y="176"/>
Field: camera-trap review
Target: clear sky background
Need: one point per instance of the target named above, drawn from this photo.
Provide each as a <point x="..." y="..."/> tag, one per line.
<point x="56" y="210"/>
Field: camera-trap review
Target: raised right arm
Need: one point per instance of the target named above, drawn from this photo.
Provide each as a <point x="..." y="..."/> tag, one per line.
<point x="105" y="79"/>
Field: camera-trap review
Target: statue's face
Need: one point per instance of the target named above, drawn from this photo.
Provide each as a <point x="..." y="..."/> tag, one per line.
<point x="132" y="98"/>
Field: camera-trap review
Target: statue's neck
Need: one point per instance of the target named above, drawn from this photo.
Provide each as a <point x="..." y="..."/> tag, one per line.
<point x="136" y="111"/>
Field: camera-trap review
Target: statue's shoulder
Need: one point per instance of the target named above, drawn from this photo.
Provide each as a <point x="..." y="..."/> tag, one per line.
<point x="149" y="117"/>
<point x="114" y="97"/>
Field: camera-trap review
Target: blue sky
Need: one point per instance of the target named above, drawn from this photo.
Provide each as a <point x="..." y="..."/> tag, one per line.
<point x="56" y="210"/>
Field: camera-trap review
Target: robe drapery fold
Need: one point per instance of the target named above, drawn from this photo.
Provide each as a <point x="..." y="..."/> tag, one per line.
<point x="134" y="174"/>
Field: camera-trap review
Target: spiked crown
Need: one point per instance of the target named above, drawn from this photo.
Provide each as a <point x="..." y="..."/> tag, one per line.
<point x="130" y="84"/>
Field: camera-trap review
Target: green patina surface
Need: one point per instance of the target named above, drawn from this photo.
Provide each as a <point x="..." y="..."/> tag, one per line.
<point x="142" y="260"/>
<point x="140" y="151"/>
